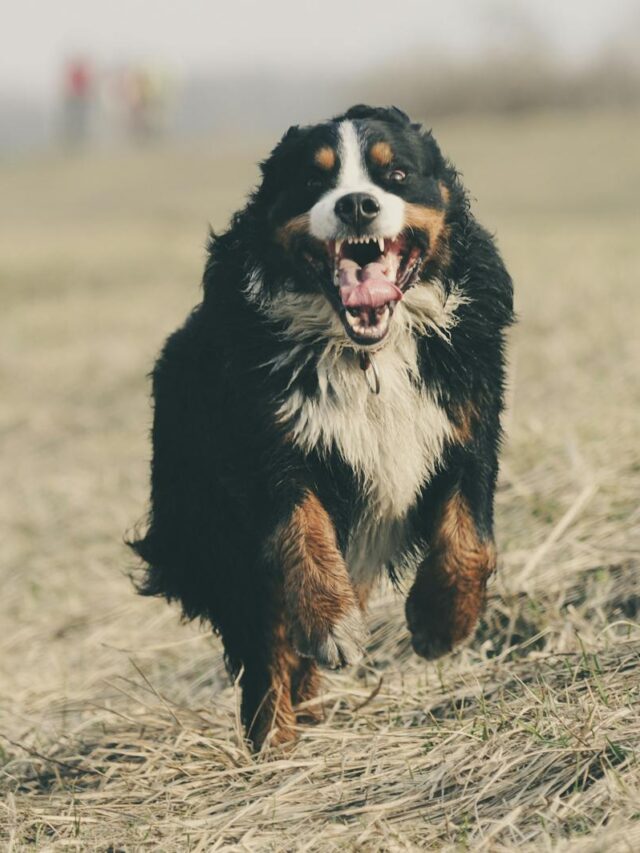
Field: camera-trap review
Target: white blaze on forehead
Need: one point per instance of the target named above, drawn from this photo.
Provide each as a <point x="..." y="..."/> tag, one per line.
<point x="354" y="177"/>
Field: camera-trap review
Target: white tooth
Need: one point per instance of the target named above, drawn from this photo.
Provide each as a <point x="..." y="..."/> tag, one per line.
<point x="381" y="244"/>
<point x="338" y="245"/>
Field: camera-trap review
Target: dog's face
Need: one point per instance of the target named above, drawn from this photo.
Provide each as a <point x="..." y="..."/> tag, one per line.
<point x="358" y="208"/>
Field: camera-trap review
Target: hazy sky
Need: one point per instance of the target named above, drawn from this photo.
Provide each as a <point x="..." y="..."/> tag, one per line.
<point x="201" y="35"/>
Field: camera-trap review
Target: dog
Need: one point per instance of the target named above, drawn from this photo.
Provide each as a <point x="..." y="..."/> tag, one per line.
<point x="330" y="412"/>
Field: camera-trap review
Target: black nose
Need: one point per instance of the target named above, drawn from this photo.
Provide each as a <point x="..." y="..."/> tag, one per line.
<point x="356" y="209"/>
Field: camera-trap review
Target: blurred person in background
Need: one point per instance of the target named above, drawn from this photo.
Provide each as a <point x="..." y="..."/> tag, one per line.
<point x="145" y="94"/>
<point x="78" y="87"/>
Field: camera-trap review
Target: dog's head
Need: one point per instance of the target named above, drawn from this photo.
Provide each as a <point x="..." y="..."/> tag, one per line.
<point x="356" y="208"/>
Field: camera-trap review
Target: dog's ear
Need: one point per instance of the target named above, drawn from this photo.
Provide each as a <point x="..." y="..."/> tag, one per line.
<point x="274" y="168"/>
<point x="293" y="131"/>
<point x="291" y="136"/>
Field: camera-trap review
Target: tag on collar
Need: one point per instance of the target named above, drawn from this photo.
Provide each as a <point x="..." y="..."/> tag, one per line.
<point x="368" y="366"/>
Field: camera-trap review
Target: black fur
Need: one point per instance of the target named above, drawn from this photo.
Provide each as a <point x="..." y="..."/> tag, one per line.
<point x="223" y="474"/>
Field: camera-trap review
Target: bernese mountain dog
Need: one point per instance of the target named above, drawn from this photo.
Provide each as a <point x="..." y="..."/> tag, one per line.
<point x="330" y="412"/>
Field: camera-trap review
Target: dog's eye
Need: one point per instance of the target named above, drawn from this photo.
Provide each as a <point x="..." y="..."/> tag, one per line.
<point x="314" y="182"/>
<point x="397" y="175"/>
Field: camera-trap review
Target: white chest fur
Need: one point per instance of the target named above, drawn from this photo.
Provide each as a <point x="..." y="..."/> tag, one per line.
<point x="394" y="441"/>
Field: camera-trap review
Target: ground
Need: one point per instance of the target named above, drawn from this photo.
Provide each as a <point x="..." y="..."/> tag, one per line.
<point x="119" y="730"/>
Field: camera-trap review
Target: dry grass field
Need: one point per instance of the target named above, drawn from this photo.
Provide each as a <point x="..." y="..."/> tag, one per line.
<point x="118" y="728"/>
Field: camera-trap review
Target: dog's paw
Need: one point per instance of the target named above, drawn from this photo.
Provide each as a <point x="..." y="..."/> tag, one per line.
<point x="430" y="638"/>
<point x="344" y="644"/>
<point x="341" y="644"/>
<point x="440" y="619"/>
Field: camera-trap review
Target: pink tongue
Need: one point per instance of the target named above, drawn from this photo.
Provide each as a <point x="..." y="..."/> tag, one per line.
<point x="366" y="287"/>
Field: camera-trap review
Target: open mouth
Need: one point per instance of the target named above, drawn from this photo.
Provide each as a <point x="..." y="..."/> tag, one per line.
<point x="371" y="275"/>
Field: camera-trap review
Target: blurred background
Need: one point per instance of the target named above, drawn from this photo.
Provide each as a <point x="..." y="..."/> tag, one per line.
<point x="96" y="73"/>
<point x="126" y="128"/>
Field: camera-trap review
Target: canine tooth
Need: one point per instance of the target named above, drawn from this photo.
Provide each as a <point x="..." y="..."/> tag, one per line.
<point x="381" y="244"/>
<point x="338" y="245"/>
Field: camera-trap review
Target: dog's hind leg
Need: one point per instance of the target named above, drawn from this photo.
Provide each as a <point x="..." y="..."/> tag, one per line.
<point x="273" y="689"/>
<point x="267" y="685"/>
<point x="305" y="689"/>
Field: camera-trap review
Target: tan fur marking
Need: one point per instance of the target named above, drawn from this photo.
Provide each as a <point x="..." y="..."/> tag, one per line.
<point x="275" y="721"/>
<point x="464" y="419"/>
<point x="305" y="688"/>
<point x="449" y="591"/>
<point x="428" y="219"/>
<point x="457" y="538"/>
<point x="325" y="158"/>
<point x="316" y="581"/>
<point x="381" y="153"/>
<point x="294" y="681"/>
<point x="465" y="561"/>
<point x="297" y="225"/>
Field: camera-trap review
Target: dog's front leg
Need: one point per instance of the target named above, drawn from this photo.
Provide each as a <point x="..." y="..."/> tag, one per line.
<point x="325" y="620"/>
<point x="449" y="591"/>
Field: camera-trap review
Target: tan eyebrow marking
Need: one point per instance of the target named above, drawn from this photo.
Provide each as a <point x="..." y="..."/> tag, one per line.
<point x="325" y="157"/>
<point x="381" y="153"/>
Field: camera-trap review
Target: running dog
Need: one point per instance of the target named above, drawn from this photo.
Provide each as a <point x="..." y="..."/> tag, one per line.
<point x="330" y="412"/>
